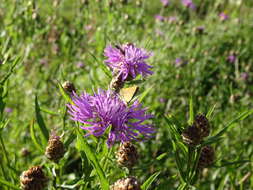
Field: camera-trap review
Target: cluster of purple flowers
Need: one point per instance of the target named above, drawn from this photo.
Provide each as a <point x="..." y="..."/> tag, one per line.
<point x="127" y="61"/>
<point x="105" y="110"/>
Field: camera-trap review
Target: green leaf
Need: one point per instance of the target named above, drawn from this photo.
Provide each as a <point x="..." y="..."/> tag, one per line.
<point x="218" y="136"/>
<point x="34" y="139"/>
<point x="83" y="146"/>
<point x="191" y="112"/>
<point x="40" y="121"/>
<point x="8" y="184"/>
<point x="144" y="94"/>
<point x="161" y="156"/>
<point x="15" y="62"/>
<point x="64" y="94"/>
<point x="149" y="181"/>
<point x="210" y="112"/>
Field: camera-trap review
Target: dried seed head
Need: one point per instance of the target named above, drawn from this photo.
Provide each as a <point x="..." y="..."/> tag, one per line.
<point x="33" y="179"/>
<point x="129" y="183"/>
<point x="55" y="148"/>
<point x="191" y="136"/>
<point x="206" y="157"/>
<point x="69" y="87"/>
<point x="127" y="155"/>
<point x="202" y="123"/>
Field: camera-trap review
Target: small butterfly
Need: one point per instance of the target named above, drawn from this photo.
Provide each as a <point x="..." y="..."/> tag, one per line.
<point x="128" y="93"/>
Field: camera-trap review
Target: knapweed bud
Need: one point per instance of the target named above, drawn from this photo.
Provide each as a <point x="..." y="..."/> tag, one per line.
<point x="202" y="123"/>
<point x="191" y="136"/>
<point x="33" y="179"/>
<point x="129" y="183"/>
<point x="206" y="157"/>
<point x="127" y="155"/>
<point x="55" y="148"/>
<point x="25" y="152"/>
<point x="69" y="87"/>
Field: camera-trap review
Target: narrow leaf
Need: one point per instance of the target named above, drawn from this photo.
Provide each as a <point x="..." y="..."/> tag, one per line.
<point x="8" y="184"/>
<point x="40" y="121"/>
<point x="149" y="181"/>
<point x="64" y="94"/>
<point x="34" y="139"/>
<point x="82" y="145"/>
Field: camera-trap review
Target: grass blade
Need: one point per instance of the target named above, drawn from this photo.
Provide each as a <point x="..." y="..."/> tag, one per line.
<point x="149" y="181"/>
<point x="40" y="121"/>
<point x="34" y="139"/>
<point x="8" y="184"/>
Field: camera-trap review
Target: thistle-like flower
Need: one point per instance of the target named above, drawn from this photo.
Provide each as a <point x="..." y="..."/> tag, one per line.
<point x="33" y="179"/>
<point x="105" y="109"/>
<point x="127" y="61"/>
<point x="127" y="155"/>
<point x="129" y="183"/>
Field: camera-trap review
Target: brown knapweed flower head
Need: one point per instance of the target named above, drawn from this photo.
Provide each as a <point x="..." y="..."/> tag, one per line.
<point x="127" y="155"/>
<point x="129" y="183"/>
<point x="33" y="179"/>
<point x="206" y="157"/>
<point x="69" y="87"/>
<point x="55" y="148"/>
<point x="191" y="136"/>
<point x="202" y="123"/>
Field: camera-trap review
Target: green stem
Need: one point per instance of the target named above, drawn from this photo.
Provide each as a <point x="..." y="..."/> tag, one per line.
<point x="4" y="150"/>
<point x="189" y="162"/>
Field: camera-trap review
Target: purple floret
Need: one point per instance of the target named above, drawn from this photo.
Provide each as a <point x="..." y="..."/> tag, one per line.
<point x="105" y="109"/>
<point x="188" y="4"/>
<point x="127" y="61"/>
<point x="165" y="2"/>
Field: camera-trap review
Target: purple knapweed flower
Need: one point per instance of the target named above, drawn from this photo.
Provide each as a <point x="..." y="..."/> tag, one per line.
<point x="160" y="18"/>
<point x="127" y="61"/>
<point x="180" y="62"/>
<point x="8" y="110"/>
<point x="188" y="4"/>
<point x="165" y="2"/>
<point x="105" y="109"/>
<point x="231" y="58"/>
<point x="223" y="16"/>
<point x="244" y="76"/>
<point x="172" y="19"/>
<point x="80" y="64"/>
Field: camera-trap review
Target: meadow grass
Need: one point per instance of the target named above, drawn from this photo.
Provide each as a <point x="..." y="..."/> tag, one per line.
<point x="44" y="43"/>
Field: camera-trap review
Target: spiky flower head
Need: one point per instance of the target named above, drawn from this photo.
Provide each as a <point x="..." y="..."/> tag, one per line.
<point x="127" y="155"/>
<point x="127" y="61"/>
<point x="129" y="183"/>
<point x="33" y="179"/>
<point x="202" y="123"/>
<point x="55" y="148"/>
<point x="206" y="157"/>
<point x="105" y="110"/>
